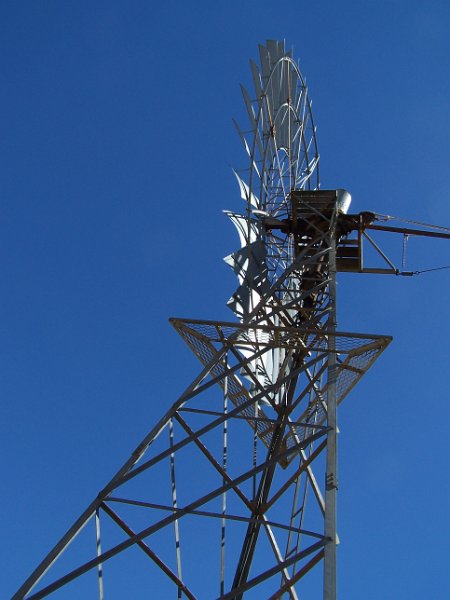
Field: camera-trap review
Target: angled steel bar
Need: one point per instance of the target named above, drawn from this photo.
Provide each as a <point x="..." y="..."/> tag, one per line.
<point x="99" y="551"/>
<point x="301" y="573"/>
<point x="121" y="476"/>
<point x="249" y="544"/>
<point x="238" y="592"/>
<point x="380" y="251"/>
<point x="52" y="556"/>
<point x="174" y="505"/>
<point x="213" y="515"/>
<point x="279" y="557"/>
<point x="87" y="566"/>
<point x="214" y="463"/>
<point x="143" y="546"/>
<point x="409" y="231"/>
<point x="303" y="466"/>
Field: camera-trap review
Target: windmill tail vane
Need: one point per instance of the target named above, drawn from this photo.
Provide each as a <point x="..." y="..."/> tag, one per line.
<point x="233" y="492"/>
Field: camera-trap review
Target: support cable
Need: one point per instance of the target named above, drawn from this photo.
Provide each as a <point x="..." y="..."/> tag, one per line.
<point x="429" y="270"/>
<point x="429" y="225"/>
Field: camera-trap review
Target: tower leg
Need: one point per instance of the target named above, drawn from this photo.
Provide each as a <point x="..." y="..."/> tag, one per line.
<point x="329" y="579"/>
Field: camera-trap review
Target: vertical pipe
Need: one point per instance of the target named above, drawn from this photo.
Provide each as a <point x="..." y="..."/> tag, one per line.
<point x="360" y="246"/>
<point x="329" y="580"/>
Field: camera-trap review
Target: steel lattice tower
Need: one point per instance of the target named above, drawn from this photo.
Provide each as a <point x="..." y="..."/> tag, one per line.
<point x="234" y="489"/>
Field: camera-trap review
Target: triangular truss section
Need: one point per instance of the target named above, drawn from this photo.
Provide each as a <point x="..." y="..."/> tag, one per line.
<point x="199" y="471"/>
<point x="215" y="342"/>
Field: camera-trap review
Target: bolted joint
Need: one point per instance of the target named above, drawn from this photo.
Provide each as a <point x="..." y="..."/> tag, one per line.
<point x="331" y="482"/>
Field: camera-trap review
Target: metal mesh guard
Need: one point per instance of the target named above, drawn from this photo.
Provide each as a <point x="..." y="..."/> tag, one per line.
<point x="356" y="353"/>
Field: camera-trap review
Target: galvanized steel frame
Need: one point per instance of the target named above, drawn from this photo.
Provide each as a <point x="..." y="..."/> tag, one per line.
<point x="285" y="419"/>
<point x="294" y="434"/>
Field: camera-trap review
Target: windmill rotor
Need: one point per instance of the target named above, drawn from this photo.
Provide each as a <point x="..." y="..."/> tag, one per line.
<point x="282" y="150"/>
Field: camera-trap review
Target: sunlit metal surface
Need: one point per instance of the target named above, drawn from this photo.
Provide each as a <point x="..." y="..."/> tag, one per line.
<point x="233" y="491"/>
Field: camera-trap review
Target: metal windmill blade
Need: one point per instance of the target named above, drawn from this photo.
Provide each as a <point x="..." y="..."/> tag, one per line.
<point x="282" y="149"/>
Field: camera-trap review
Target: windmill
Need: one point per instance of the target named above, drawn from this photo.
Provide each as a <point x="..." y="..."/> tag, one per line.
<point x="233" y="492"/>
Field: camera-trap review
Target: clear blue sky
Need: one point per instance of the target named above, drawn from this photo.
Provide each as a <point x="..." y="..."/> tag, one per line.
<point x="115" y="156"/>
